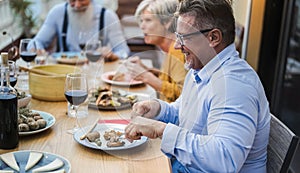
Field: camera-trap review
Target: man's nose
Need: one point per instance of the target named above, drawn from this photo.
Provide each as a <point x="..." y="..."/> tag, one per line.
<point x="177" y="45"/>
<point x="77" y="4"/>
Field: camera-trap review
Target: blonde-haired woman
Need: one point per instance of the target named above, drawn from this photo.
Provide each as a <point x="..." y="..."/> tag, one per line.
<point x="158" y="25"/>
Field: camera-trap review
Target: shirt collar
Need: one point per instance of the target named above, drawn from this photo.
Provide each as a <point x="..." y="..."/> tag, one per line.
<point x="206" y="72"/>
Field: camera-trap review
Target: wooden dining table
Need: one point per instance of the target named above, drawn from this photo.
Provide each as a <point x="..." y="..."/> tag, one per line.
<point x="145" y="158"/>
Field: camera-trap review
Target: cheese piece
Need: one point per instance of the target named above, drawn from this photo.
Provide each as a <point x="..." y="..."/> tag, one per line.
<point x="6" y="171"/>
<point x="9" y="159"/>
<point x="55" y="164"/>
<point x="34" y="157"/>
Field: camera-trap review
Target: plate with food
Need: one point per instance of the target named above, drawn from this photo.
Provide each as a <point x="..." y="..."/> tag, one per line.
<point x="33" y="161"/>
<point x="121" y="79"/>
<point x="71" y="58"/>
<point x="107" y="137"/>
<point x="33" y="121"/>
<point x="105" y="98"/>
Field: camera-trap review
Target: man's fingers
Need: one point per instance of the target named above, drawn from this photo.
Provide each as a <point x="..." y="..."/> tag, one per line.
<point x="131" y="133"/>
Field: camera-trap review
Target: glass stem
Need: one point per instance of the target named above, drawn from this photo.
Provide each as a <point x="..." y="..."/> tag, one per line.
<point x="75" y="108"/>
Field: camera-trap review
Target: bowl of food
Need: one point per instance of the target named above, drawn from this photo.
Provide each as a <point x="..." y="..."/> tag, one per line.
<point x="23" y="99"/>
<point x="47" y="82"/>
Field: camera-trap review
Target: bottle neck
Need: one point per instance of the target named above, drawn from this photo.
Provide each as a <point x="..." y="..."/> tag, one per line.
<point x="5" y="80"/>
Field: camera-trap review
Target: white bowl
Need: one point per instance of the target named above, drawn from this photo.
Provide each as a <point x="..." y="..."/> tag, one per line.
<point x="23" y="102"/>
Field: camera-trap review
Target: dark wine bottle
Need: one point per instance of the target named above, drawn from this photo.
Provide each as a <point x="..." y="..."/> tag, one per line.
<point x="9" y="135"/>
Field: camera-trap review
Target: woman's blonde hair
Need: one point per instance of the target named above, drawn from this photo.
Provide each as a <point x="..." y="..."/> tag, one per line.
<point x="163" y="9"/>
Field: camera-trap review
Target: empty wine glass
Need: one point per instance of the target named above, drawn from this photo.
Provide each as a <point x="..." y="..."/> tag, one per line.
<point x="76" y="92"/>
<point x="28" y="50"/>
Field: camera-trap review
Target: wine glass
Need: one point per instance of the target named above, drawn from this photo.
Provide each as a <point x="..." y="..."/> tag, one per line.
<point x="28" y="50"/>
<point x="83" y="36"/>
<point x="76" y="92"/>
<point x="93" y="50"/>
<point x="12" y="73"/>
<point x="93" y="53"/>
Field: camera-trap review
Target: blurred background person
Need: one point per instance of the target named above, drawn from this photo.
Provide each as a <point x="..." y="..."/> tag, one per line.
<point x="65" y="22"/>
<point x="157" y="22"/>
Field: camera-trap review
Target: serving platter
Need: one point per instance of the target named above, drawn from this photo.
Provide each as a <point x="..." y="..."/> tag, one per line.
<point x="110" y="108"/>
<point x="22" y="157"/>
<point x="50" y="119"/>
<point x="128" y="81"/>
<point x="102" y="128"/>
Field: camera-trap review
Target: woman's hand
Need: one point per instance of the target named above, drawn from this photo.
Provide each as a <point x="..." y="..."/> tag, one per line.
<point x="136" y="69"/>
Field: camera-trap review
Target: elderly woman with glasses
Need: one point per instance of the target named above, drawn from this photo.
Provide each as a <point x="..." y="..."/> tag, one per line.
<point x="156" y="19"/>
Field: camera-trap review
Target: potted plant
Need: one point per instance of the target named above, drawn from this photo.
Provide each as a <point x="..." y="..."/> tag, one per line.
<point x="22" y="10"/>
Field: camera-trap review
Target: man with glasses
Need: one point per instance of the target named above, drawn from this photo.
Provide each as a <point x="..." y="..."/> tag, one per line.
<point x="67" y="21"/>
<point x="221" y="121"/>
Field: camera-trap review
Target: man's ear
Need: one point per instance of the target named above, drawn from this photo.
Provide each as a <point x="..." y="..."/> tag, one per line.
<point x="215" y="37"/>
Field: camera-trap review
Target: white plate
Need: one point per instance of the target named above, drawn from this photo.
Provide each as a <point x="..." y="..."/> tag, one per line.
<point x="22" y="157"/>
<point x="127" y="82"/>
<point x="69" y="60"/>
<point x="50" y="122"/>
<point x="107" y="127"/>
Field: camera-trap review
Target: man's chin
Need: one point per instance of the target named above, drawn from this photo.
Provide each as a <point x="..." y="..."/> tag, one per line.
<point x="188" y="65"/>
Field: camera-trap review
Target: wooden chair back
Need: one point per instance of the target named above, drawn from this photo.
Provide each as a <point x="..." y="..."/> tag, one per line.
<point x="282" y="146"/>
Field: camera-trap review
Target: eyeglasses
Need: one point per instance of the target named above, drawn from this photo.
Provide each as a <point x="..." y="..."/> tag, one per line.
<point x="73" y="1"/>
<point x="181" y="37"/>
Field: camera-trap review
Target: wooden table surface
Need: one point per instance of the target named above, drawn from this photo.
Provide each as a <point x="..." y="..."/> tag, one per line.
<point x="146" y="158"/>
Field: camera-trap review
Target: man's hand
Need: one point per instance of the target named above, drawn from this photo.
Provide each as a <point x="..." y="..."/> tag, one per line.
<point x="147" y="108"/>
<point x="140" y="126"/>
<point x="108" y="54"/>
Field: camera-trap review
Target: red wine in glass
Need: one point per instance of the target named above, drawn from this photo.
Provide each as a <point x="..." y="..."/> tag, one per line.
<point x="93" y="56"/>
<point x="13" y="81"/>
<point x="76" y="97"/>
<point x="28" y="56"/>
<point x="82" y="45"/>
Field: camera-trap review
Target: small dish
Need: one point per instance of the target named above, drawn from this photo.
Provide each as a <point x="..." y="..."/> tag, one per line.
<point x="50" y="122"/>
<point x="23" y="102"/>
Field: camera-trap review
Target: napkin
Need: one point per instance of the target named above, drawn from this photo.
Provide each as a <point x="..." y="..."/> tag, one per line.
<point x="115" y="121"/>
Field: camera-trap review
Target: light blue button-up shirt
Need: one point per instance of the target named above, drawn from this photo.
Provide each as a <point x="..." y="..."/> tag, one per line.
<point x="221" y="121"/>
<point x="112" y="32"/>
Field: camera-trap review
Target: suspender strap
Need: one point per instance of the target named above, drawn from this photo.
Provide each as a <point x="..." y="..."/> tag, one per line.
<point x="101" y="24"/>
<point x="64" y="29"/>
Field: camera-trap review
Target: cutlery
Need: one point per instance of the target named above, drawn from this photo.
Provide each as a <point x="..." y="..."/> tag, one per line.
<point x="90" y="130"/>
<point x="42" y="72"/>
